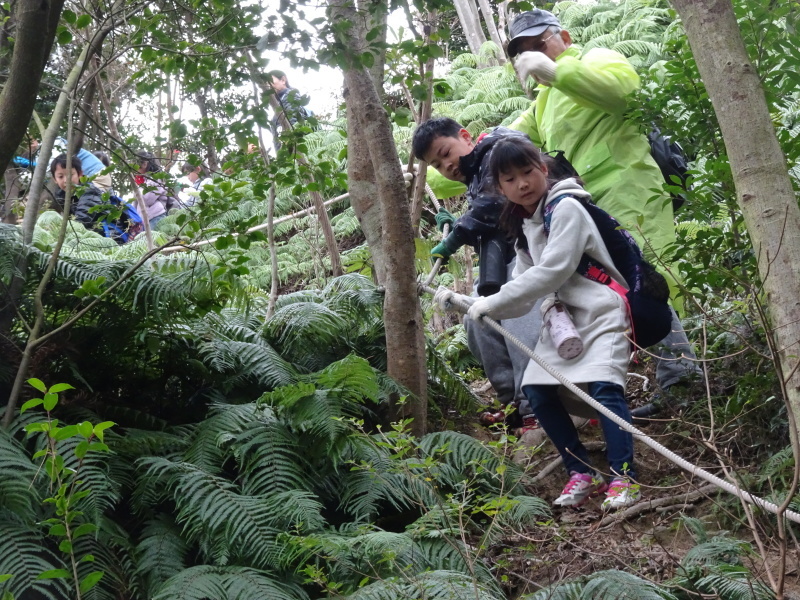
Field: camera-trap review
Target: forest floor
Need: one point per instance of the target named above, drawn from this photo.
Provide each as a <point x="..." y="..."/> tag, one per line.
<point x="648" y="539"/>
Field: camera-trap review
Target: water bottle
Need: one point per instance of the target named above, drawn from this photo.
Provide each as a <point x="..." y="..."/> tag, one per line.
<point x="565" y="337"/>
<point x="492" y="263"/>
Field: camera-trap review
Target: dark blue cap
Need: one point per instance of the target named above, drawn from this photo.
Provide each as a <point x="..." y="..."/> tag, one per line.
<point x="529" y="24"/>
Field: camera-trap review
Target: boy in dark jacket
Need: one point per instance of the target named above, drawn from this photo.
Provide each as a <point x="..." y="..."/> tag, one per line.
<point x="445" y="145"/>
<point x="80" y="207"/>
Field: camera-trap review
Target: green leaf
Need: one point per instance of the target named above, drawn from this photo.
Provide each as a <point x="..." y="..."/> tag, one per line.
<point x="65" y="546"/>
<point x="5" y="577"/>
<point x="30" y="404"/>
<point x="83" y="21"/>
<point x="54" y="574"/>
<point x="50" y="401"/>
<point x="101" y="427"/>
<point x="64" y="37"/>
<point x="81" y="449"/>
<point x="87" y="558"/>
<point x="367" y="59"/>
<point x="65" y="432"/>
<point x="60" y="387"/>
<point x="58" y="529"/>
<point x="84" y="529"/>
<point x="38" y="384"/>
<point x="69" y="16"/>
<point x="85" y="429"/>
<point x="90" y="581"/>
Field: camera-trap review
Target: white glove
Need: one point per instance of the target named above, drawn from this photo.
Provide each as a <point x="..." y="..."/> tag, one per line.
<point x="537" y="65"/>
<point x="445" y="298"/>
<point x="479" y="309"/>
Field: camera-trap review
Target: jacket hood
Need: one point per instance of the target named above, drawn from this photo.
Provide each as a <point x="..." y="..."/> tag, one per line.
<point x="470" y="164"/>
<point x="565" y="186"/>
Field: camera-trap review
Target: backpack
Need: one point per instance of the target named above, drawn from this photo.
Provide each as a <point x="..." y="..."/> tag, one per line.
<point x="671" y="159"/>
<point x="127" y="226"/>
<point x="648" y="297"/>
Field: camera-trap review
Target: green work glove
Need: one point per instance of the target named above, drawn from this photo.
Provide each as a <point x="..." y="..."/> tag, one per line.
<point x="443" y="217"/>
<point x="443" y="249"/>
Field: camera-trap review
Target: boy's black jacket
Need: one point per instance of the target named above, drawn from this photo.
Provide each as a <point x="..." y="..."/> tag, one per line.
<point x="90" y="196"/>
<point x="484" y="198"/>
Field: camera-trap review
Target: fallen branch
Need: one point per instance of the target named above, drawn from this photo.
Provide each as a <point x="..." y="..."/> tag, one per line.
<point x="648" y="505"/>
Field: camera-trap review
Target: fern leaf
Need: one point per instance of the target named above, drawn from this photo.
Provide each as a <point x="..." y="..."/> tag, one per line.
<point x="226" y="583"/>
<point x="24" y="555"/>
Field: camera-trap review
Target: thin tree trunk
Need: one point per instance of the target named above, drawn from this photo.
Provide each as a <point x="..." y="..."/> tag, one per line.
<point x="137" y="192"/>
<point x="502" y="18"/>
<point x="316" y="197"/>
<point x="763" y="187"/>
<point x="211" y="148"/>
<point x="405" y="343"/>
<point x="494" y="34"/>
<point x="468" y="17"/>
<point x="12" y="193"/>
<point x="364" y="194"/>
<point x="425" y="110"/>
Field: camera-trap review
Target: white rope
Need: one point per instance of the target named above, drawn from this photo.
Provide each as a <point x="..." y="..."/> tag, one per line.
<point x="666" y="452"/>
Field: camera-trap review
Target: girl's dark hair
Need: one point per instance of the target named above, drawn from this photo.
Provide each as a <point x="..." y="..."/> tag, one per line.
<point x="147" y="157"/>
<point x="518" y="152"/>
<point x="61" y="161"/>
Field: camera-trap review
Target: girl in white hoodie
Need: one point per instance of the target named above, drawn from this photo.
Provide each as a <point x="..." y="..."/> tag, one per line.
<point x="548" y="268"/>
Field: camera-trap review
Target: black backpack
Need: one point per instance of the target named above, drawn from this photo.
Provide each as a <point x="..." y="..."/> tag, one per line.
<point x="648" y="296"/>
<point x="671" y="159"/>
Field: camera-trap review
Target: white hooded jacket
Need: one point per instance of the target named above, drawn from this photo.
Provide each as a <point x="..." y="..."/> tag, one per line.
<point x="550" y="265"/>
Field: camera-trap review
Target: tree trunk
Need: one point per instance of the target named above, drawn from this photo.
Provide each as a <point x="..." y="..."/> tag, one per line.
<point x="364" y="193"/>
<point x="405" y="342"/>
<point x="470" y="23"/>
<point x="211" y="148"/>
<point x="760" y="174"/>
<point x="488" y="18"/>
<point x="36" y="28"/>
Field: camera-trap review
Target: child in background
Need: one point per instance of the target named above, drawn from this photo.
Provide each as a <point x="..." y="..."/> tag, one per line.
<point x="80" y="206"/>
<point x="548" y="267"/>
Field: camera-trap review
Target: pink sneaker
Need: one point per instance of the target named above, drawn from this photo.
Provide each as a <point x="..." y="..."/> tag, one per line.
<point x="621" y="493"/>
<point x="579" y="488"/>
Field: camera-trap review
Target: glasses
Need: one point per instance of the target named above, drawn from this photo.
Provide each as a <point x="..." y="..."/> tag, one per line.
<point x="537" y="46"/>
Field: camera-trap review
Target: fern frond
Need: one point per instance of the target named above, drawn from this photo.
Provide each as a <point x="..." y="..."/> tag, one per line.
<point x="621" y="585"/>
<point x="271" y="460"/>
<point x="24" y="554"/>
<point x="17" y="494"/>
<point x="226" y="583"/>
<point x="211" y="508"/>
<point x="465" y="454"/>
<point x="162" y="552"/>
<point x="435" y="585"/>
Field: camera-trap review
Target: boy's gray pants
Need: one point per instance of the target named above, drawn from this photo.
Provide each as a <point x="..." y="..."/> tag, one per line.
<point x="505" y="364"/>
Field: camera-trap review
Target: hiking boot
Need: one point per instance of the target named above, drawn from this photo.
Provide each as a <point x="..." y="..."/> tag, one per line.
<point x="489" y="418"/>
<point x="621" y="493"/>
<point x="579" y="488"/>
<point x="529" y="423"/>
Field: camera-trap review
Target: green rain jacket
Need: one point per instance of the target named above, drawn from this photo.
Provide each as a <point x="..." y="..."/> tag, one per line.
<point x="582" y="114"/>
